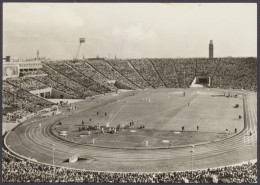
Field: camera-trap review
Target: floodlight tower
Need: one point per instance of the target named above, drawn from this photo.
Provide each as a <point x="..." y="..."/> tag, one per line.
<point x="81" y="40"/>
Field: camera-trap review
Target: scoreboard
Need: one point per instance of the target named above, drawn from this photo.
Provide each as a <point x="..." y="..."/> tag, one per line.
<point x="10" y="71"/>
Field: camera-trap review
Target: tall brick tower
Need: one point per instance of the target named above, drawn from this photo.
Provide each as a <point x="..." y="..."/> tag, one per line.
<point x="211" y="49"/>
<point x="38" y="54"/>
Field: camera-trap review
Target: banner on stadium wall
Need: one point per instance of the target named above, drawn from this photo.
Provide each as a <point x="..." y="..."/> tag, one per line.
<point x="11" y="71"/>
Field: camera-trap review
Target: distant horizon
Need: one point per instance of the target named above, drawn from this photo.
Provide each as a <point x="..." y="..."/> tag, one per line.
<point x="94" y="58"/>
<point x="118" y="57"/>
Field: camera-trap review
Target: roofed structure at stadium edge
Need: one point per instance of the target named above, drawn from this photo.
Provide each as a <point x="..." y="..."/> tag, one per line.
<point x="132" y="115"/>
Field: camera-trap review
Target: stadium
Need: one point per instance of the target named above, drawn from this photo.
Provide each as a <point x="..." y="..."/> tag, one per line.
<point x="170" y="106"/>
<point x="140" y="115"/>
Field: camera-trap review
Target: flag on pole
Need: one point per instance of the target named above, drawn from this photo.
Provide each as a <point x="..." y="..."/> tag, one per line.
<point x="82" y="40"/>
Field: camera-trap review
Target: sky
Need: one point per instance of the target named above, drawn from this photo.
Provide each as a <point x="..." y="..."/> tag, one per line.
<point x="129" y="30"/>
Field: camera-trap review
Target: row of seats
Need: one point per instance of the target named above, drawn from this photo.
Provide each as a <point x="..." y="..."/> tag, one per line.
<point x="234" y="73"/>
<point x="146" y="69"/>
<point x="93" y="75"/>
<point x="90" y="72"/>
<point x="59" y="86"/>
<point x="124" y="68"/>
<point x="18" y="170"/>
<point x="108" y="71"/>
<point x="167" y="72"/>
<point x="32" y="73"/>
<point x="56" y="76"/>
<point x="84" y="78"/>
<point x="74" y="75"/>
<point x="19" y="102"/>
<point x="27" y="83"/>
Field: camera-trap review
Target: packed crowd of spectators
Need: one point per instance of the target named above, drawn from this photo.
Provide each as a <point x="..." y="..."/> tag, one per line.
<point x="105" y="69"/>
<point x="66" y="70"/>
<point x="55" y="76"/>
<point x="18" y="102"/>
<point x="27" y="83"/>
<point x="59" y="86"/>
<point x="124" y="68"/>
<point x="236" y="73"/>
<point x="10" y="104"/>
<point x="32" y="73"/>
<point x="15" y="169"/>
<point x="82" y="79"/>
<point x="167" y="72"/>
<point x="145" y="68"/>
<point x="83" y="67"/>
<point x="186" y="70"/>
<point x="206" y="66"/>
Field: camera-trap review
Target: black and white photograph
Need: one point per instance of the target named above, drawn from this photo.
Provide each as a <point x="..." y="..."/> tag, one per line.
<point x="129" y="92"/>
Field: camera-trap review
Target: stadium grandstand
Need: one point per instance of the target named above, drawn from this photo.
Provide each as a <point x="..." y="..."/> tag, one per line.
<point x="84" y="78"/>
<point x="129" y="93"/>
<point x="27" y="96"/>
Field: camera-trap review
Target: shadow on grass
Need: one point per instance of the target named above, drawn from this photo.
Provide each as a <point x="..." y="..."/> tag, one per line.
<point x="217" y="95"/>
